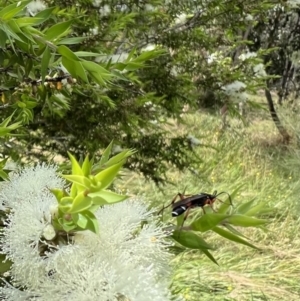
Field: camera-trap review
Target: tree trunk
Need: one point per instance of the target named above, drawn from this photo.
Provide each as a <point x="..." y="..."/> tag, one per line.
<point x="285" y="135"/>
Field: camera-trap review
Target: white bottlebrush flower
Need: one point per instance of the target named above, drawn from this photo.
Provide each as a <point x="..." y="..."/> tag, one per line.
<point x="293" y="3"/>
<point x="97" y="3"/>
<point x="249" y="17"/>
<point x="248" y="55"/>
<point x="35" y="6"/>
<point x="94" y="31"/>
<point x="28" y="183"/>
<point x="259" y="70"/>
<point x="236" y="91"/>
<point x="125" y="260"/>
<point x="105" y="10"/>
<point x="149" y="47"/>
<point x="181" y="18"/>
<point x="149" y="7"/>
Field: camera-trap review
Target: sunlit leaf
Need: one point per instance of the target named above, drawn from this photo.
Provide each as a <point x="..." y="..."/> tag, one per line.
<point x="208" y="221"/>
<point x="246" y="221"/>
<point x="190" y="240"/>
<point x="233" y="237"/>
<point x="106" y="197"/>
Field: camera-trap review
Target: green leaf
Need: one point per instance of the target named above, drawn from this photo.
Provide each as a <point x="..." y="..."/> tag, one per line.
<point x="209" y="255"/>
<point x="67" y="53"/>
<point x="106" y="197"/>
<point x="98" y="73"/>
<point x="190" y="240"/>
<point x="58" y="193"/>
<point x="257" y="209"/>
<point x="5" y="264"/>
<point x="119" y="157"/>
<point x="208" y="221"/>
<point x="10" y="33"/>
<point x="230" y="236"/>
<point x="28" y="21"/>
<point x="243" y="208"/>
<point x="75" y="68"/>
<point x="246" y="221"/>
<point x="80" y="203"/>
<point x="107" y="176"/>
<point x="86" y="166"/>
<point x="106" y="154"/>
<point x="82" y="181"/>
<point x="88" y="221"/>
<point x="57" y="30"/>
<point x="65" y="203"/>
<point x="86" y="53"/>
<point x="45" y="62"/>
<point x="224" y="206"/>
<point x="76" y="168"/>
<point x="72" y="41"/>
<point x="93" y="224"/>
<point x="45" y="14"/>
<point x="11" y="10"/>
<point x="6" y="121"/>
<point x="3" y="175"/>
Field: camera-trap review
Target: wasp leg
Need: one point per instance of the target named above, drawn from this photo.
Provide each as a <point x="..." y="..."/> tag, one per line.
<point x="172" y="202"/>
<point x="184" y="219"/>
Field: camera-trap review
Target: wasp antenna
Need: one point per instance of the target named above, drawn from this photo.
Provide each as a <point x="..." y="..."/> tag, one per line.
<point x="215" y="193"/>
<point x="224" y="192"/>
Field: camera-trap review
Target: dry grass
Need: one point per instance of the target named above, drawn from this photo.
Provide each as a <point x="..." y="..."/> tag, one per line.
<point x="253" y="156"/>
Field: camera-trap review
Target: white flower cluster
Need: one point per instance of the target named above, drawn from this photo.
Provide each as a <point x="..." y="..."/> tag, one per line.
<point x="35" y="7"/>
<point x="248" y="55"/>
<point x="293" y="3"/>
<point x="124" y="262"/>
<point x="236" y="91"/>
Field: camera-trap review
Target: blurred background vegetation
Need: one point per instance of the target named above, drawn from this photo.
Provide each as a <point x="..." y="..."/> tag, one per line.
<point x="207" y="92"/>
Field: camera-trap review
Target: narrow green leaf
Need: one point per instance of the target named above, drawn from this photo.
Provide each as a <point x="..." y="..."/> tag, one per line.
<point x="86" y="53"/>
<point x="119" y="157"/>
<point x="57" y="30"/>
<point x="232" y="237"/>
<point x="73" y="41"/>
<point x="10" y="33"/>
<point x="208" y="221"/>
<point x="5" y="264"/>
<point x="66" y="52"/>
<point x="80" y="203"/>
<point x="75" y="68"/>
<point x="209" y="255"/>
<point x="3" y="175"/>
<point x="45" y="14"/>
<point x="58" y="193"/>
<point x="76" y="168"/>
<point x="4" y="131"/>
<point x="45" y="62"/>
<point x="6" y="121"/>
<point x="243" y="208"/>
<point x="79" y="180"/>
<point x="246" y="221"/>
<point x="256" y="209"/>
<point x="106" y="197"/>
<point x="86" y="166"/>
<point x="81" y="220"/>
<point x="224" y="207"/>
<point x="93" y="224"/>
<point x="28" y="21"/>
<point x="106" y="154"/>
<point x="190" y="240"/>
<point x="11" y="10"/>
<point x="3" y="38"/>
<point x="107" y="176"/>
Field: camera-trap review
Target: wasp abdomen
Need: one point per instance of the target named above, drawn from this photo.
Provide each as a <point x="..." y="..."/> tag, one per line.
<point x="178" y="211"/>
